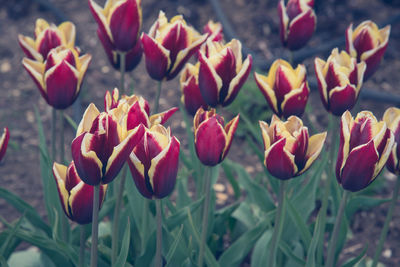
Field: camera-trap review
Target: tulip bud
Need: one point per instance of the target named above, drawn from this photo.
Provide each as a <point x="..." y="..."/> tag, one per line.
<point x="191" y="95"/>
<point x="214" y="31"/>
<point x="102" y="146"/>
<point x="60" y="77"/>
<point x="285" y="89"/>
<point x="222" y="72"/>
<point x="339" y="81"/>
<point x="212" y="137"/>
<point x="289" y="151"/>
<point x="297" y="22"/>
<point x="154" y="162"/>
<point x="4" y="142"/>
<point x="76" y="197"/>
<point x="47" y="37"/>
<point x="367" y="43"/>
<point x="392" y="119"/>
<point x="168" y="46"/>
<point x="365" y="146"/>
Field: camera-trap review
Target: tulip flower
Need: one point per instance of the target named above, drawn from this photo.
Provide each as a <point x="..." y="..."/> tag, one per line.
<point x="285" y="89"/>
<point x="168" y="46"/>
<point x="4" y="142"/>
<point x="339" y="81"/>
<point x="212" y="137"/>
<point x="191" y="95"/>
<point x="392" y="119"/>
<point x="365" y="146"/>
<point x="154" y="162"/>
<point x="297" y="22"/>
<point x="214" y="31"/>
<point x="60" y="77"/>
<point x="367" y="43"/>
<point x="76" y="197"/>
<point x="47" y="37"/>
<point x="289" y="151"/>
<point x="222" y="72"/>
<point x="102" y="146"/>
<point x="131" y="111"/>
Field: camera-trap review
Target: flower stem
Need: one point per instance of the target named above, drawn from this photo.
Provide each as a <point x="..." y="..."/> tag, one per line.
<point x="95" y="225"/>
<point x="145" y="221"/>
<point x="291" y="57"/>
<point x="158" y="262"/>
<point x="157" y="100"/>
<point x="117" y="209"/>
<point x="62" y="157"/>
<point x="387" y="222"/>
<point x="122" y="57"/>
<point x="336" y="228"/>
<point x="53" y="133"/>
<point x="207" y="187"/>
<point x="279" y="219"/>
<point x="82" y="246"/>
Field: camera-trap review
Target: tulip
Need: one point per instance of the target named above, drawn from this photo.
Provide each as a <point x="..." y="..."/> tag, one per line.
<point x="119" y="23"/>
<point x="365" y="146"/>
<point x="392" y="119"/>
<point x="285" y="89"/>
<point x="154" y="162"/>
<point x="297" y="22"/>
<point x="102" y="146"/>
<point x="60" y="77"/>
<point x="168" y="46"/>
<point x="289" y="151"/>
<point x="4" y="142"/>
<point x="222" y="72"/>
<point x="214" y="31"/>
<point x="367" y="43"/>
<point x="191" y="95"/>
<point x="339" y="81"/>
<point x="47" y="37"/>
<point x="76" y="197"/>
<point x="212" y="137"/>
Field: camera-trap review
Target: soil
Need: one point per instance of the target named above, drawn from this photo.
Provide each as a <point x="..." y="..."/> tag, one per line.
<point x="256" y="25"/>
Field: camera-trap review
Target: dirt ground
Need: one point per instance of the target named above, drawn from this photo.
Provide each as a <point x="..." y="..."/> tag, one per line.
<point x="256" y="25"/>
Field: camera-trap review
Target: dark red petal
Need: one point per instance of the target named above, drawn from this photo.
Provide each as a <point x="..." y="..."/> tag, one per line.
<point x="210" y="142"/>
<point x="392" y="165"/>
<point x="4" y="144"/>
<point x="165" y="172"/>
<point x="282" y="85"/>
<point x="296" y="104"/>
<point x="363" y="42"/>
<point x="301" y="30"/>
<point x="321" y="87"/>
<point x="156" y="60"/>
<point x="359" y="168"/>
<point x="282" y="28"/>
<point x="62" y="86"/>
<point x="293" y="8"/>
<point x="49" y="41"/>
<point x="343" y="100"/>
<point x="278" y="163"/>
<point x="192" y="96"/>
<point x="301" y="149"/>
<point x="72" y="178"/>
<point x="226" y="70"/>
<point x="136" y="116"/>
<point x="373" y="62"/>
<point x="140" y="180"/>
<point x="51" y="62"/>
<point x="207" y="83"/>
<point x="175" y="41"/>
<point x="125" y="25"/>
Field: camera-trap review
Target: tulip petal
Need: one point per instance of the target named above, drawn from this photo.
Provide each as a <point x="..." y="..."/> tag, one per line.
<point x="301" y="30"/>
<point x="315" y="144"/>
<point x="156" y="57"/>
<point x="322" y="86"/>
<point x="136" y="116"/>
<point x="373" y="58"/>
<point x="28" y="47"/>
<point x="84" y="62"/>
<point x="60" y="173"/>
<point x="267" y="91"/>
<point x="164" y="168"/>
<point x="230" y="130"/>
<point x="342" y="99"/>
<point x="5" y="137"/>
<point x="163" y="117"/>
<point x="344" y="145"/>
<point x="35" y="69"/>
<point x="385" y="153"/>
<point x="295" y="101"/>
<point x="47" y="40"/>
<point x="210" y="83"/>
<point x="101" y="20"/>
<point x="359" y="167"/>
<point x="284" y="21"/>
<point x="264" y="131"/>
<point x="279" y="162"/>
<point x="88" y="117"/>
<point x="138" y="175"/>
<point x="69" y="32"/>
<point x="393" y="161"/>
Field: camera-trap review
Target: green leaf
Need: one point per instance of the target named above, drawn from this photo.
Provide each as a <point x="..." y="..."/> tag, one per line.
<point x="29" y="258"/>
<point x="299" y="223"/>
<point x="180" y="216"/>
<point x="70" y="121"/>
<point x="231" y="178"/>
<point x="355" y="260"/>
<point x="256" y="133"/>
<point x="11" y="235"/>
<point x="121" y="260"/>
<point x="172" y="249"/>
<point x="288" y="251"/>
<point x="3" y="261"/>
<point x="314" y="242"/>
<point x="363" y="203"/>
<point x="259" y="257"/>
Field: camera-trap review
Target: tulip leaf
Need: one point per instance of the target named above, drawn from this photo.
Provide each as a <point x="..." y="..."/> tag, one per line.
<point x="363" y="203"/>
<point x="355" y="260"/>
<point x="299" y="222"/>
<point x="259" y="257"/>
<point x="172" y="249"/>
<point x="70" y="121"/>
<point x="3" y="261"/>
<point x="229" y="175"/>
<point x="318" y="231"/>
<point x="11" y="246"/>
<point x="180" y="216"/>
<point x="256" y="133"/>
<point x="11" y="235"/>
<point x="121" y="260"/>
<point x="288" y="251"/>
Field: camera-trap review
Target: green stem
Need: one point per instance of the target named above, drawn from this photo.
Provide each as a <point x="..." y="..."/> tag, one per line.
<point x="95" y="225"/>
<point x="291" y="57"/>
<point x="122" y="57"/>
<point x="332" y="246"/>
<point x="53" y="133"/>
<point x="158" y="262"/>
<point x="62" y="157"/>
<point x="117" y="210"/>
<point x="387" y="222"/>
<point x="207" y="177"/>
<point x="82" y="246"/>
<point x="157" y="100"/>
<point x="145" y="222"/>
<point x="279" y="219"/>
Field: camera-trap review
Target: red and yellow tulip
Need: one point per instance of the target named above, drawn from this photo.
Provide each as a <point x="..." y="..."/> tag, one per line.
<point x="154" y="162"/>
<point x="212" y="137"/>
<point x="102" y="146"/>
<point x="392" y="119"/>
<point x="285" y="89"/>
<point x="339" y="81"/>
<point x="214" y="31"/>
<point x="4" y="142"/>
<point x="168" y="46"/>
<point x="365" y="146"/>
<point x="297" y="22"/>
<point x="289" y="151"/>
<point x="222" y="72"/>
<point x="47" y="37"/>
<point x="76" y="196"/>
<point x="60" y="77"/>
<point x="367" y="43"/>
